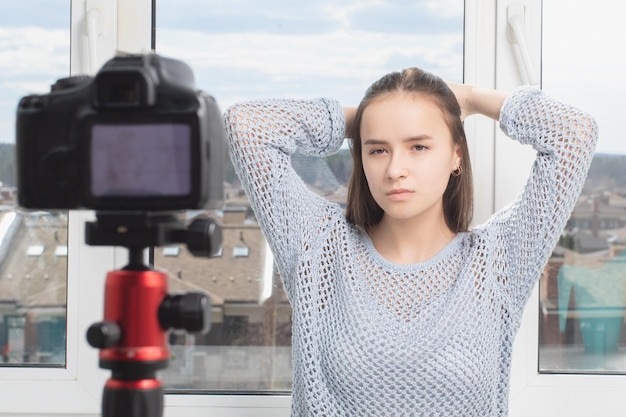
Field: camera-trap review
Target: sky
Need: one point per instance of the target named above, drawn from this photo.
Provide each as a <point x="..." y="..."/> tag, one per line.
<point x="248" y="48"/>
<point x="584" y="63"/>
<point x="245" y="49"/>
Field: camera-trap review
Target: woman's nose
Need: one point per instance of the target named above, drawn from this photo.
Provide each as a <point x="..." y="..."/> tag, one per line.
<point x="397" y="167"/>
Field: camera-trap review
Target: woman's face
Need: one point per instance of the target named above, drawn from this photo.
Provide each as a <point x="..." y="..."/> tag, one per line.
<point x="408" y="155"/>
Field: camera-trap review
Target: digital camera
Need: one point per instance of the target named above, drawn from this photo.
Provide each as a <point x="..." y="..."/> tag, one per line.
<point x="137" y="136"/>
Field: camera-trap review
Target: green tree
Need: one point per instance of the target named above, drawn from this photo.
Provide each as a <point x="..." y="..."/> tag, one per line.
<point x="7" y="164"/>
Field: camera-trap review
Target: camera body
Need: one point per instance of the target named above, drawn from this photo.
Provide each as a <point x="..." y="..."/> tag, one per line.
<point x="137" y="136"/>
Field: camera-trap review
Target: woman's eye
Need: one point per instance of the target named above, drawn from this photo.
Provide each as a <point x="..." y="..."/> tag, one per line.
<point x="420" y="147"/>
<point x="376" y="151"/>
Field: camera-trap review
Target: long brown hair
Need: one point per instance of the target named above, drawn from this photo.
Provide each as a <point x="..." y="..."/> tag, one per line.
<point x="362" y="210"/>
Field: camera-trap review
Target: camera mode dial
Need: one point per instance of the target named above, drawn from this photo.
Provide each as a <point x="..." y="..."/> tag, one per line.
<point x="70" y="82"/>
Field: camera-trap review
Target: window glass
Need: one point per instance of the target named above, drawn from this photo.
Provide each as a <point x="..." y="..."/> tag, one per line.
<point x="262" y="49"/>
<point x="34" y="46"/>
<point x="583" y="291"/>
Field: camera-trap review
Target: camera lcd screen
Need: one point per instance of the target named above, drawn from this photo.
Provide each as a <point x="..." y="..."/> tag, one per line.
<point x="141" y="160"/>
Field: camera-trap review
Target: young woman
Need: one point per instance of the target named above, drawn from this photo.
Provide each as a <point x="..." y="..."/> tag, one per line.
<point x="399" y="309"/>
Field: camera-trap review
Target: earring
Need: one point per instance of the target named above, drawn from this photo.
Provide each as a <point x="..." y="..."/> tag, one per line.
<point x="457" y="171"/>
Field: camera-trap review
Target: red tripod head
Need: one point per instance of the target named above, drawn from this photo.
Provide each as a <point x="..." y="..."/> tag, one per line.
<point x="138" y="312"/>
<point x="133" y="337"/>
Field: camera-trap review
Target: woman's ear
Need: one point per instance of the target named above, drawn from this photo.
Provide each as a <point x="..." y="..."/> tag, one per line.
<point x="459" y="154"/>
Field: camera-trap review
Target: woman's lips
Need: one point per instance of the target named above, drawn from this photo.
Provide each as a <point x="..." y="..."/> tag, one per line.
<point x="399" y="194"/>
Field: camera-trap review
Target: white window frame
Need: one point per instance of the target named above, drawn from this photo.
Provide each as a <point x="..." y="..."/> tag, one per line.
<point x="500" y="167"/>
<point x="76" y="389"/>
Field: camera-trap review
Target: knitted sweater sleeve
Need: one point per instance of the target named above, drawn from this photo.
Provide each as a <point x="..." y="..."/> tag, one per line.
<point x="524" y="233"/>
<point x="263" y="135"/>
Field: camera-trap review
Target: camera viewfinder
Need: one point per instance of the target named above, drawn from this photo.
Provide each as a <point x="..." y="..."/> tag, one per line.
<point x="121" y="90"/>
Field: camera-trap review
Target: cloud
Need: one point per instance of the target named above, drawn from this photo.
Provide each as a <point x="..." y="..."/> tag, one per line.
<point x="582" y="64"/>
<point x="246" y="49"/>
<point x="34" y="52"/>
<point x="296" y="17"/>
<point x="31" y="59"/>
<point x="44" y="14"/>
<point x="409" y="17"/>
<point x="247" y="16"/>
<point x="344" y="61"/>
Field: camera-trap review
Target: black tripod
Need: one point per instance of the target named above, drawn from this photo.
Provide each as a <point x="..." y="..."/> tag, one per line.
<point x="138" y="311"/>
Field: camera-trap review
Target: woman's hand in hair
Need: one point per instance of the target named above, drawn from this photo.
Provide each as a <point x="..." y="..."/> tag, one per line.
<point x="463" y="94"/>
<point x="478" y="100"/>
<point x="349" y="113"/>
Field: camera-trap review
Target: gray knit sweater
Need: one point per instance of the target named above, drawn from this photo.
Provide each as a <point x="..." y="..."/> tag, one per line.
<point x="374" y="338"/>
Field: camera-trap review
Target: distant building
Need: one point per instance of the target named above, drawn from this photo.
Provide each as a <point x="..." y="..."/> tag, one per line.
<point x="249" y="306"/>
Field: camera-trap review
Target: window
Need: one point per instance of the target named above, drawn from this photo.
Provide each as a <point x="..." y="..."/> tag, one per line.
<point x="34" y="46"/>
<point x="171" y="251"/>
<point x="261" y="49"/>
<point x="74" y="388"/>
<point x="51" y="361"/>
<point x="61" y="251"/>
<point x="583" y="291"/>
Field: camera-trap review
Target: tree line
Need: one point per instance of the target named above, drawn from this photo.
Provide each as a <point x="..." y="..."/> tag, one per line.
<point x="606" y="171"/>
<point x="7" y="164"/>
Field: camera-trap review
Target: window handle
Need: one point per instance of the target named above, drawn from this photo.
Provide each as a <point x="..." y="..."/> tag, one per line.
<point x="94" y="29"/>
<point x="516" y="15"/>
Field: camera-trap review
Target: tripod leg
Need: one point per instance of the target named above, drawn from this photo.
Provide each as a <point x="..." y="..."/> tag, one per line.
<point x="142" y="398"/>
